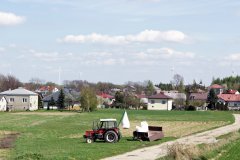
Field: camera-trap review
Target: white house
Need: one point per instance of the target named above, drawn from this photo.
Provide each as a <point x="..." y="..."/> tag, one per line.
<point x="159" y="102"/>
<point x="3" y="103"/>
<point x="21" y="99"/>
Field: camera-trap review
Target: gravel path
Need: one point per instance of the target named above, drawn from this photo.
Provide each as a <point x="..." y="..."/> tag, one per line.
<point x="154" y="152"/>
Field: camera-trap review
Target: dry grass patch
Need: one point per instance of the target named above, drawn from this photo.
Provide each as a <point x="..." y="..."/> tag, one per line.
<point x="7" y="138"/>
<point x="176" y="128"/>
<point x="4" y="153"/>
<point x="187" y="152"/>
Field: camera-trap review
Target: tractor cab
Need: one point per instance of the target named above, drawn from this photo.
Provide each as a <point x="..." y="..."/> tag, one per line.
<point x="104" y="129"/>
<point x="105" y="124"/>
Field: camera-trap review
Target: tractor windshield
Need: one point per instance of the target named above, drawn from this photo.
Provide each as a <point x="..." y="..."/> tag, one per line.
<point x="108" y="124"/>
<point x="104" y="125"/>
<point x="96" y="125"/>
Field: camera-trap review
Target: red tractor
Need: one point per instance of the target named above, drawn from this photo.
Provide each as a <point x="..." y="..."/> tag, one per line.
<point x="105" y="129"/>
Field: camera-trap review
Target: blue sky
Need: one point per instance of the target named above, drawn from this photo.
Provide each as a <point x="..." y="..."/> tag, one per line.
<point x="120" y="40"/>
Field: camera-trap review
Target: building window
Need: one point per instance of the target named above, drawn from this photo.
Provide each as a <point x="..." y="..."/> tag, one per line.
<point x="11" y="100"/>
<point x="24" y="100"/>
<point x="163" y="102"/>
<point x="152" y="101"/>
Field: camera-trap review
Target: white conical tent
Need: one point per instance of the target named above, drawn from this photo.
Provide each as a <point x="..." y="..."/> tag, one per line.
<point x="125" y="121"/>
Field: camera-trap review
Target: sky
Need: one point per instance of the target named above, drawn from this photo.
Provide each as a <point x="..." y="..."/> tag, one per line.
<point x="120" y="40"/>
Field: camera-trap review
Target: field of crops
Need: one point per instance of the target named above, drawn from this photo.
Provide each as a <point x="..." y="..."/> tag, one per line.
<point x="58" y="135"/>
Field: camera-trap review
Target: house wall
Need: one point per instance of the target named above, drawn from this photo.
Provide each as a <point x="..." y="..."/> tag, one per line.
<point x="31" y="102"/>
<point x="3" y="104"/>
<point x="159" y="104"/>
<point x="234" y="105"/>
<point x="144" y="100"/>
<point x="231" y="105"/>
<point x="45" y="106"/>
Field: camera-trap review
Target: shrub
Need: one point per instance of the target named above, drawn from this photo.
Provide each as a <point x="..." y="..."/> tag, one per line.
<point x="190" y="108"/>
<point x="182" y="152"/>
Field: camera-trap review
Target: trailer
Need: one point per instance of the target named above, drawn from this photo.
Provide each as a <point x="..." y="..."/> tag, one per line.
<point x="154" y="133"/>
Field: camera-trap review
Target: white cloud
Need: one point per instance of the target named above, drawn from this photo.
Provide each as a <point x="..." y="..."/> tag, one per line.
<point x="144" y="36"/>
<point x="2" y="49"/>
<point x="50" y="56"/>
<point x="99" y="54"/>
<point x="166" y="53"/>
<point x="234" y="57"/>
<point x="8" y="19"/>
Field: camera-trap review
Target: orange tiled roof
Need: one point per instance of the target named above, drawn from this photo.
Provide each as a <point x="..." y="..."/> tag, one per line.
<point x="230" y="97"/>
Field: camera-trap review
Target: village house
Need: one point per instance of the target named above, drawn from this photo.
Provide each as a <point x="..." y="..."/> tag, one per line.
<point x="3" y="103"/>
<point x="160" y="102"/>
<point x="46" y="90"/>
<point x="199" y="100"/>
<point x="217" y="88"/>
<point x="143" y="98"/>
<point x="70" y="100"/>
<point x="104" y="100"/>
<point x="20" y="99"/>
<point x="231" y="91"/>
<point x="178" y="98"/>
<point x="232" y="100"/>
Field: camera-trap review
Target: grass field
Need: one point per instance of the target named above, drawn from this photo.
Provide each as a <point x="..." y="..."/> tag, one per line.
<point x="58" y="135"/>
<point x="229" y="151"/>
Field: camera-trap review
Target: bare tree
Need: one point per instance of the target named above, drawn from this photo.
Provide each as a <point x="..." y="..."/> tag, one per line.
<point x="8" y="82"/>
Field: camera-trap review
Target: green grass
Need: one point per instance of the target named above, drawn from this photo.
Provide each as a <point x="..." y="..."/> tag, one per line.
<point x="230" y="150"/>
<point x="49" y="136"/>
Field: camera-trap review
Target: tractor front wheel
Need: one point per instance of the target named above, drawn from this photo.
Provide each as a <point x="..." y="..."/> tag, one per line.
<point x="89" y="140"/>
<point x="111" y="137"/>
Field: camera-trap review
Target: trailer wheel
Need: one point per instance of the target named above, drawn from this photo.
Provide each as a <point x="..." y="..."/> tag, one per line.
<point x="89" y="140"/>
<point x="111" y="137"/>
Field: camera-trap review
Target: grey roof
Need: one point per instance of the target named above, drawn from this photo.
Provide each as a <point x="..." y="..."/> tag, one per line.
<point x="55" y="96"/>
<point x="176" y="95"/>
<point x="18" y="91"/>
<point x="198" y="96"/>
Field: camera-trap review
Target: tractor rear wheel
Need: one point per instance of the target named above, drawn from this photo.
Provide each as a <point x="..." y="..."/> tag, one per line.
<point x="111" y="137"/>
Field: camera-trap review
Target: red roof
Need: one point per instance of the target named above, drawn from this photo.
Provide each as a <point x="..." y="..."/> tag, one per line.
<point x="104" y="95"/>
<point x="216" y="86"/>
<point x="231" y="91"/>
<point x="230" y="97"/>
<point x="141" y="96"/>
<point x="159" y="96"/>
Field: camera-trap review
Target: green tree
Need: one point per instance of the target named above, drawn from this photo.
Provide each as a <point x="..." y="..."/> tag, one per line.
<point x="132" y="101"/>
<point x="61" y="100"/>
<point x="181" y="86"/>
<point x="212" y="99"/>
<point x="88" y="99"/>
<point x="119" y="97"/>
<point x="51" y="103"/>
<point x="149" y="88"/>
<point x="40" y="105"/>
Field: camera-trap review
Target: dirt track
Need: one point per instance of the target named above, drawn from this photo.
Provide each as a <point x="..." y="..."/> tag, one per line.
<point x="154" y="152"/>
